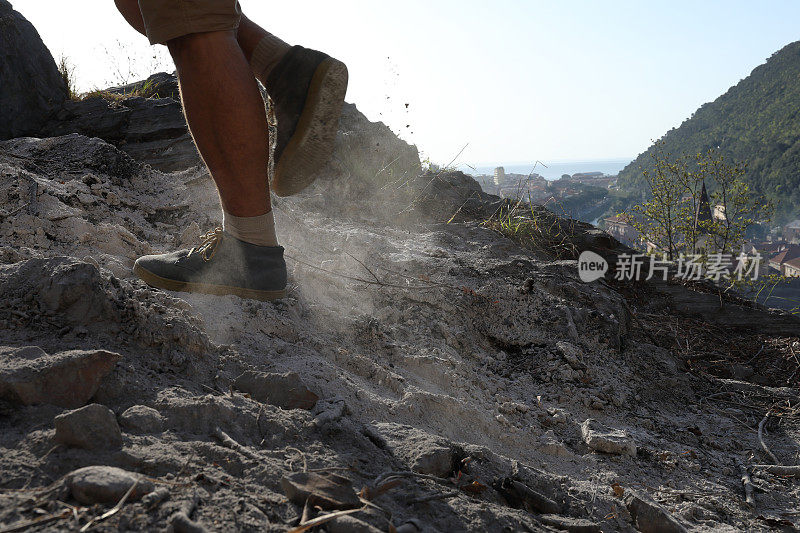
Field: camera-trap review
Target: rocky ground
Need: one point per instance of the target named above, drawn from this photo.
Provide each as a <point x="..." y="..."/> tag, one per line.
<point x="451" y="378"/>
<point x="425" y="373"/>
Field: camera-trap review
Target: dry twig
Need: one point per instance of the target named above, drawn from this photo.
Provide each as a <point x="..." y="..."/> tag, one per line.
<point x="114" y="510"/>
<point x="748" y="486"/>
<point x="228" y="442"/>
<point x="761" y="439"/>
<point x="318" y="521"/>
<point x="780" y="470"/>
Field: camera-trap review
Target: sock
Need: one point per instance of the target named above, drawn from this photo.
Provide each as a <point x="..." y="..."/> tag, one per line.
<point x="258" y="230"/>
<point x="267" y="54"/>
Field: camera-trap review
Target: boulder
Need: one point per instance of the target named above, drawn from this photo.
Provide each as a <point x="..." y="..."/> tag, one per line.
<point x="68" y="379"/>
<point x="150" y="130"/>
<point x="286" y="391"/>
<point x="106" y="484"/>
<point x="67" y="153"/>
<point x="327" y="490"/>
<point x="603" y="439"/>
<point x="32" y="88"/>
<point x="92" y="427"/>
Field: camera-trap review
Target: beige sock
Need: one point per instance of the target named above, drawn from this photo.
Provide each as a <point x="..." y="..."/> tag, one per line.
<point x="267" y="54"/>
<point x="258" y="230"/>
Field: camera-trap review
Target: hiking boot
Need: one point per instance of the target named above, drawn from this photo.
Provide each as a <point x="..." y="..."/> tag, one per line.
<point x="221" y="265"/>
<point x="307" y="88"/>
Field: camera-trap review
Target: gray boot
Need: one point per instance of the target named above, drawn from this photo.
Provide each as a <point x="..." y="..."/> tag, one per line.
<point x="221" y="265"/>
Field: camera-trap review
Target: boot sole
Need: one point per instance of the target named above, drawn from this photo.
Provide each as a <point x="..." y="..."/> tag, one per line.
<point x="157" y="281"/>
<point x="312" y="143"/>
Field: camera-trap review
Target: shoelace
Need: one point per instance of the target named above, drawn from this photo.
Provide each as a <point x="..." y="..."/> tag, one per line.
<point x="209" y="245"/>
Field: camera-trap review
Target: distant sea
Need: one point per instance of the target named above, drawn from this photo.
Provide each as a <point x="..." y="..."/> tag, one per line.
<point x="555" y="169"/>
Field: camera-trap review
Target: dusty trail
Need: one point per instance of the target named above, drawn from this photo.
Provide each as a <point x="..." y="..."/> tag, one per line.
<point x="458" y="351"/>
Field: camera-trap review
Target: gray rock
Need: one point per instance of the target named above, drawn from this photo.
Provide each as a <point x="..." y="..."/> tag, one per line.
<point x="604" y="439"/>
<point x="422" y="452"/>
<point x="69" y="152"/>
<point x="106" y="484"/>
<point x="350" y="524"/>
<point x="32" y="88"/>
<point x="649" y="516"/>
<point x="566" y="523"/>
<point x="158" y="85"/>
<point x="142" y="419"/>
<point x="327" y="490"/>
<point x="92" y="427"/>
<point x="521" y="496"/>
<point x="69" y="379"/>
<point x="151" y="130"/>
<point x="286" y="391"/>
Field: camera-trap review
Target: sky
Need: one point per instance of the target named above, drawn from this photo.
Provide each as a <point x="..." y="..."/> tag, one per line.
<point x="500" y="82"/>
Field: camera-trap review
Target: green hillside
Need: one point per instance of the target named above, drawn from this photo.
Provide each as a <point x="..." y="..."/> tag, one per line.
<point x="757" y="120"/>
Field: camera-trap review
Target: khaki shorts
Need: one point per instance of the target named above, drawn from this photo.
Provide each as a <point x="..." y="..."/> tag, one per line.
<point x="168" y="19"/>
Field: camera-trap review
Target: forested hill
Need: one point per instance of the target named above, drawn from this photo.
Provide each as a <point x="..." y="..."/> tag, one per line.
<point x="757" y="120"/>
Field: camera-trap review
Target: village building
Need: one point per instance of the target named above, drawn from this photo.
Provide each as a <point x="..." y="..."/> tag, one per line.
<point x="499" y="176"/>
<point x="620" y="228"/>
<point x="787" y="261"/>
<point x="791" y="268"/>
<point x="791" y="232"/>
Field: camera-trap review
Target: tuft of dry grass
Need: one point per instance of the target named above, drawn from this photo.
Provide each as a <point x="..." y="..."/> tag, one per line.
<point x="147" y="89"/>
<point x="67" y="71"/>
<point x="537" y="228"/>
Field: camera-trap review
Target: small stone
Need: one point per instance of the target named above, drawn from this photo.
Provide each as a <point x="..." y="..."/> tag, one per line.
<point x="142" y="419"/>
<point x="326" y="490"/>
<point x="350" y="524"/>
<point x="106" y="484"/>
<point x="286" y="391"/>
<point x="603" y="439"/>
<point x="649" y="516"/>
<point x="422" y="452"/>
<point x="69" y="379"/>
<point x="190" y="234"/>
<point x="566" y="523"/>
<point x="509" y="407"/>
<point x="91" y="427"/>
<point x="551" y="445"/>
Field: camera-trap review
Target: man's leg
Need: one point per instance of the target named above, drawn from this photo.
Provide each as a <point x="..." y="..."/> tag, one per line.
<point x="226" y="116"/>
<point x="307" y="88"/>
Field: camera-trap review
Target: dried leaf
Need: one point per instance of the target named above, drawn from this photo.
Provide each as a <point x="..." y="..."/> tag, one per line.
<point x="476" y="487"/>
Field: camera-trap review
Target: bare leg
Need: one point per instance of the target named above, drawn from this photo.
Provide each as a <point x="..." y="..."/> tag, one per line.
<point x="249" y="35"/>
<point x="226" y="117"/>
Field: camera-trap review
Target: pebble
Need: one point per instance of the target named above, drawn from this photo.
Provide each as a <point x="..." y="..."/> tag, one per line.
<point x="327" y="490"/>
<point x="92" y="427"/>
<point x="106" y="484"/>
<point x="142" y="419"/>
<point x="604" y="439"/>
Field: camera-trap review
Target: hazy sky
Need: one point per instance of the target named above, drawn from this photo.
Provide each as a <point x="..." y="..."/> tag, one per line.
<point x="516" y="81"/>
